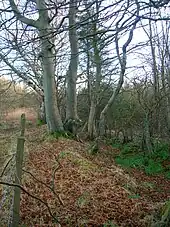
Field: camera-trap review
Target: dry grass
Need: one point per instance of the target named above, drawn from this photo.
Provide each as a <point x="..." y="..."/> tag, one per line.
<point x="15" y="114"/>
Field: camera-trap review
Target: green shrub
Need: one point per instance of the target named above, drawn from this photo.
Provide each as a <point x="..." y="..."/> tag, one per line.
<point x="40" y="122"/>
<point x="117" y="145"/>
<point x="130" y="148"/>
<point x="161" y="151"/>
<point x="133" y="161"/>
<point x="161" y="146"/>
<point x="167" y="175"/>
<point x="126" y="148"/>
<point x="134" y="196"/>
<point x="63" y="134"/>
<point x="131" y="156"/>
<point x="139" y="161"/>
<point x="153" y="167"/>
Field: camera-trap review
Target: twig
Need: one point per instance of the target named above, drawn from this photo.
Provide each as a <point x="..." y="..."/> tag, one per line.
<point x="32" y="196"/>
<point x="51" y="188"/>
<point x="3" y="171"/>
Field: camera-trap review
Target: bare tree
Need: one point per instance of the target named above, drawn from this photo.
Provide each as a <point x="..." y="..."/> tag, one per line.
<point x="48" y="61"/>
<point x="122" y="61"/>
<point x="71" y="77"/>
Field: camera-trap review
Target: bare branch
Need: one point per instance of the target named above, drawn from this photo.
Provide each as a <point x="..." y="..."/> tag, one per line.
<point x="19" y="16"/>
<point x="32" y="196"/>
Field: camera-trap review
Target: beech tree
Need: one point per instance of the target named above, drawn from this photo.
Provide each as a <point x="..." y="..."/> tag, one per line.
<point x="53" y="33"/>
<point x="71" y="77"/>
<point x="47" y="56"/>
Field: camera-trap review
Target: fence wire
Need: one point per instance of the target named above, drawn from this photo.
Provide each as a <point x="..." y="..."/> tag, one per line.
<point x="7" y="192"/>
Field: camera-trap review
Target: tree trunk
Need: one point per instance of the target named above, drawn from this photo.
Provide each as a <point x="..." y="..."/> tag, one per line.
<point x="41" y="113"/>
<point x="165" y="78"/>
<point x="91" y="120"/>
<point x="96" y="88"/>
<point x="71" y="96"/>
<point x="47" y="55"/>
<point x="168" y="101"/>
<point x="48" y="63"/>
<point x="147" y="140"/>
<point x="52" y="113"/>
<point x="108" y="105"/>
<point x="155" y="77"/>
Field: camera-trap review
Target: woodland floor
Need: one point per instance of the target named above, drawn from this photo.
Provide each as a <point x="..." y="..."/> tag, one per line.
<point x="90" y="190"/>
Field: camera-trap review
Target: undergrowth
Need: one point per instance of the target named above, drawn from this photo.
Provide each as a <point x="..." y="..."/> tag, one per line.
<point x="62" y="134"/>
<point x="152" y="163"/>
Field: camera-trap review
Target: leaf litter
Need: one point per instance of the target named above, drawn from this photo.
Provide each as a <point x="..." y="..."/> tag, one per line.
<point x="82" y="189"/>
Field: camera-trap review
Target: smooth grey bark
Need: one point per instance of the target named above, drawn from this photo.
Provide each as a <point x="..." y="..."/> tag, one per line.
<point x="94" y="95"/>
<point x="41" y="113"/>
<point x="93" y="85"/>
<point x="48" y="62"/>
<point x="91" y="99"/>
<point x="71" y="79"/>
<point x="96" y="89"/>
<point x="91" y="119"/>
<point x="53" y="118"/>
<point x="20" y="17"/>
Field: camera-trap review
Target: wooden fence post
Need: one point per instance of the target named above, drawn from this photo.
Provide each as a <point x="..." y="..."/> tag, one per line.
<point x="18" y="176"/>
